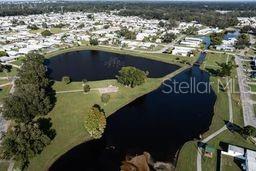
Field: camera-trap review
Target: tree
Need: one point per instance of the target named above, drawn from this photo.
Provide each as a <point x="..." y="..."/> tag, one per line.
<point x="90" y="16"/>
<point x="24" y="141"/>
<point x="216" y="38"/>
<point x="225" y="69"/>
<point x="242" y="41"/>
<point x="249" y="131"/>
<point x="33" y="94"/>
<point x="46" y="33"/>
<point x="190" y="31"/>
<point x="94" y="41"/>
<point x="95" y="121"/>
<point x="66" y="79"/>
<point x="127" y="34"/>
<point x="44" y="25"/>
<point x="3" y="53"/>
<point x="81" y="26"/>
<point x="33" y="27"/>
<point x="168" y="37"/>
<point x="33" y="71"/>
<point x="105" y="98"/>
<point x="131" y="76"/>
<point x="87" y="88"/>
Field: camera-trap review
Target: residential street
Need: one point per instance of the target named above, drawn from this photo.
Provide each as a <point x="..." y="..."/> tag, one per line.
<point x="248" y="111"/>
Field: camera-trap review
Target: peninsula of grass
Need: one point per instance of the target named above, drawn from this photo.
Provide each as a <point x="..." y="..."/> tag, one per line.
<point x="70" y="109"/>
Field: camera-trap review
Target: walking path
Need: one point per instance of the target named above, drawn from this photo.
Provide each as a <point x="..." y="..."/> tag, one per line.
<point x="213" y="135"/>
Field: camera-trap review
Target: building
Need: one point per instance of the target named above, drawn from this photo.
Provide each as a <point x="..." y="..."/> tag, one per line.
<point x="182" y="51"/>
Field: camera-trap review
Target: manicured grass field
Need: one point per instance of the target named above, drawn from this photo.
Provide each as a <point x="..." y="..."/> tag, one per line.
<point x="4" y="166"/>
<point x="228" y="164"/>
<point x="70" y="110"/>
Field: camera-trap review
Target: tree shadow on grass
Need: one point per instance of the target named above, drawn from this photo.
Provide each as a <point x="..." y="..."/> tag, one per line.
<point x="45" y="125"/>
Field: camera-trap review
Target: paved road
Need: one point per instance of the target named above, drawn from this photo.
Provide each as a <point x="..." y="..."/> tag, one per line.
<point x="248" y="110"/>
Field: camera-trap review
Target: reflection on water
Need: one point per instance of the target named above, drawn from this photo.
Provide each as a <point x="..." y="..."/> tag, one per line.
<point x="98" y="65"/>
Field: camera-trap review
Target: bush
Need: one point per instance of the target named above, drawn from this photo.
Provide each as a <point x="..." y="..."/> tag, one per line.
<point x="46" y="33"/>
<point x="105" y="98"/>
<point x="131" y="76"/>
<point x="94" y="42"/>
<point x="66" y="79"/>
<point x="95" y="121"/>
<point x="249" y="131"/>
<point x="87" y="88"/>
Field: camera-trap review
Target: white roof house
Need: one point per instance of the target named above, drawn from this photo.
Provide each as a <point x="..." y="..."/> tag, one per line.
<point x="234" y="151"/>
<point x="250" y="160"/>
<point x="183" y="51"/>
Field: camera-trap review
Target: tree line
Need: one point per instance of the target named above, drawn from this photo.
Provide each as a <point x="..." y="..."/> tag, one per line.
<point x="27" y="107"/>
<point x="204" y="13"/>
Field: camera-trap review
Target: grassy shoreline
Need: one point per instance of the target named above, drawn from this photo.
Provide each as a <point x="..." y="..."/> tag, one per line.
<point x="74" y="106"/>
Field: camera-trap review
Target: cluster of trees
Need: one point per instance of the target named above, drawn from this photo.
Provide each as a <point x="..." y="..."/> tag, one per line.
<point x="126" y="33"/>
<point x="46" y="33"/>
<point x="94" y="41"/>
<point x="216" y="38"/>
<point x="32" y="99"/>
<point x="131" y="76"/>
<point x="6" y="68"/>
<point x="3" y="53"/>
<point x="243" y="41"/>
<point x="248" y="29"/>
<point x="33" y="27"/>
<point x="249" y="131"/>
<point x="168" y="37"/>
<point x="191" y="31"/>
<point x="204" y="13"/>
<point x="95" y="121"/>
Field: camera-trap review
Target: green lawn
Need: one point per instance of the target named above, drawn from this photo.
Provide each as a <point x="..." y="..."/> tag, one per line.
<point x="187" y="156"/>
<point x="4" y="166"/>
<point x="70" y="110"/>
<point x="228" y="164"/>
<point x="52" y="30"/>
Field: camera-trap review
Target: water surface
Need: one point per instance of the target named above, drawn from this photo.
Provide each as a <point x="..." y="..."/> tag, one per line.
<point x="98" y="65"/>
<point x="159" y="123"/>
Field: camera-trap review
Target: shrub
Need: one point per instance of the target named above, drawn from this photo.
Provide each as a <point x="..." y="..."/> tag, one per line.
<point x="87" y="88"/>
<point x="46" y="33"/>
<point x="249" y="131"/>
<point x="95" y="121"/>
<point x="105" y="98"/>
<point x="66" y="79"/>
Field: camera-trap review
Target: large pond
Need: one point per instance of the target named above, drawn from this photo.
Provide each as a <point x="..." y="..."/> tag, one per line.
<point x="159" y="123"/>
<point x="99" y="65"/>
